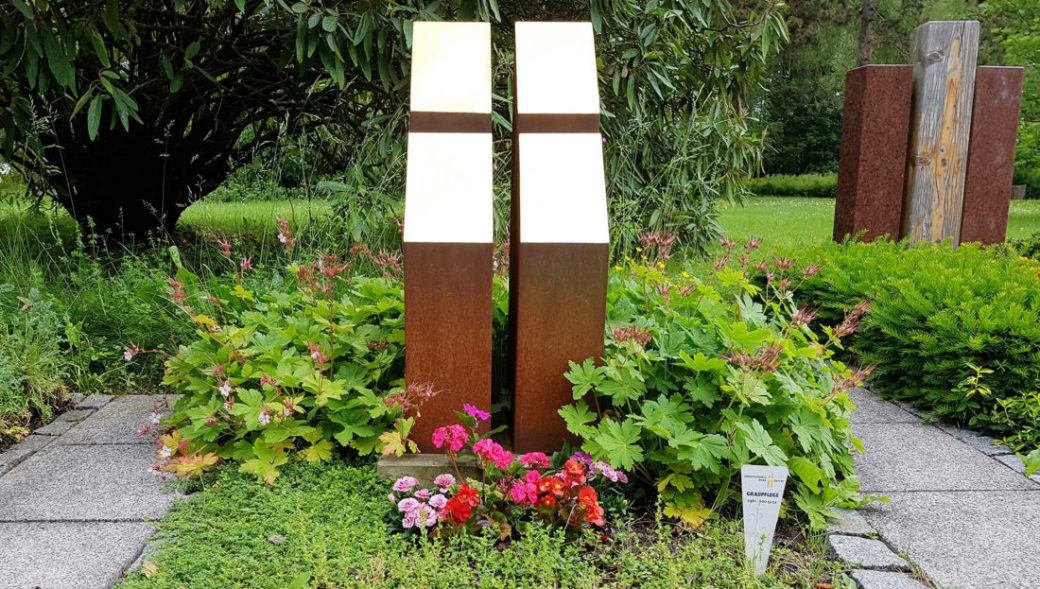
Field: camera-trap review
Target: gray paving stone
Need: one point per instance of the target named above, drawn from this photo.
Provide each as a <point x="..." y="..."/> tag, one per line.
<point x="24" y="449"/>
<point x="967" y="540"/>
<point x="55" y="428"/>
<point x="75" y="415"/>
<point x="850" y="524"/>
<point x="873" y="409"/>
<point x="917" y="457"/>
<point x="885" y="580"/>
<point x="985" y="444"/>
<point x="863" y="552"/>
<point x="68" y="555"/>
<point x="84" y="483"/>
<point x="94" y="402"/>
<point x="119" y="422"/>
<point x="1012" y="461"/>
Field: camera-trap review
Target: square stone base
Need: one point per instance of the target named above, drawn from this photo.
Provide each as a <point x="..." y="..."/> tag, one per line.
<point x="425" y="467"/>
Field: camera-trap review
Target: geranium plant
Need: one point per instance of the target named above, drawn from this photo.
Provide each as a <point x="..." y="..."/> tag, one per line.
<point x="311" y="366"/>
<point x="702" y="376"/>
<point x="511" y="489"/>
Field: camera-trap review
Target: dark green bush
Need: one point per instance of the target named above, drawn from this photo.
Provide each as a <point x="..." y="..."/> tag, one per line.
<point x="941" y="319"/>
<point x="817" y="185"/>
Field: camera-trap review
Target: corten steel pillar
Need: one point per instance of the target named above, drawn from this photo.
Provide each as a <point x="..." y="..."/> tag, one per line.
<point x="448" y="241"/>
<point x="560" y="241"/>
<point x="872" y="165"/>
<point x="991" y="154"/>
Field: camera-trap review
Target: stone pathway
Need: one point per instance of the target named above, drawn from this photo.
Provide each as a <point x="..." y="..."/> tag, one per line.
<point x="961" y="509"/>
<point x="77" y="496"/>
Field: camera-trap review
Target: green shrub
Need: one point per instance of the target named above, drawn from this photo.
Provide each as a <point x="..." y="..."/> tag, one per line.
<point x="818" y="185"/>
<point x="301" y="364"/>
<point x="702" y="377"/>
<point x="941" y="317"/>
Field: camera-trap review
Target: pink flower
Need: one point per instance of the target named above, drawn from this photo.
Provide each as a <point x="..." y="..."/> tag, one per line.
<point x="535" y="460"/>
<point x="264" y="418"/>
<point x="437" y="501"/>
<point x="454" y="437"/>
<point x="246" y="264"/>
<point x="475" y="412"/>
<point x="130" y="352"/>
<point x="444" y="481"/>
<point x="408" y="521"/>
<point x="504" y="459"/>
<point x="392" y="498"/>
<point x="608" y="472"/>
<point x="492" y="453"/>
<point x="524" y="493"/>
<point x="225" y="389"/>
<point x="405" y="484"/>
<point x="532" y="476"/>
<point x="408" y="504"/>
<point x="425" y="517"/>
<point x="422" y="494"/>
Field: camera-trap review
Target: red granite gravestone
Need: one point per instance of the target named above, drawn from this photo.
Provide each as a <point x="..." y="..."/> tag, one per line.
<point x="872" y="165"/>
<point x="991" y="154"/>
<point x="560" y="242"/>
<point x="448" y="224"/>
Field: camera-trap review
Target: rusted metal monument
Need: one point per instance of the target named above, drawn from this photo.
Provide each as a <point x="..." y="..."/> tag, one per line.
<point x="927" y="149"/>
<point x="559" y="237"/>
<point x="448" y="223"/>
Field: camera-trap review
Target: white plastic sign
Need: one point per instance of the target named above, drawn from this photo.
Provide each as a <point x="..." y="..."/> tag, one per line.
<point x="762" y="488"/>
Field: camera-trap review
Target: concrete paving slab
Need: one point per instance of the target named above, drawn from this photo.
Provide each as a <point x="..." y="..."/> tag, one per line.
<point x="862" y="552"/>
<point x="1013" y="462"/>
<point x="967" y="540"/>
<point x="68" y="555"/>
<point x="873" y="409"/>
<point x="84" y="483"/>
<point x="119" y="422"/>
<point x="916" y="457"/>
<point x="75" y="415"/>
<point x="94" y="402"/>
<point x="24" y="449"/>
<point x="55" y="428"/>
<point x="885" y="580"/>
<point x="851" y="523"/>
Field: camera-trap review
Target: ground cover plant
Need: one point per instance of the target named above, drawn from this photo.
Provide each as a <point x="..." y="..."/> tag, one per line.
<point x="702" y="375"/>
<point x="327" y="526"/>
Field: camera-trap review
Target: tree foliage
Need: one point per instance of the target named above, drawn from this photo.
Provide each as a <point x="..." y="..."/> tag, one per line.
<point x="127" y="110"/>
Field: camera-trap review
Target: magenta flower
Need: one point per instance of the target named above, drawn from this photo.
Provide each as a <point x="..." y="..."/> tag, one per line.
<point x="452" y="436"/>
<point x="535" y="460"/>
<point x="582" y="457"/>
<point x="524" y="493"/>
<point x="609" y="473"/>
<point x="504" y="459"/>
<point x="405" y="484"/>
<point x="475" y="412"/>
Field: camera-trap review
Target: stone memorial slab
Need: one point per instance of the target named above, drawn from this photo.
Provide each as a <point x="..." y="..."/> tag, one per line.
<point x="560" y="239"/>
<point x="872" y="160"/>
<point x="991" y="154"/>
<point x="448" y="221"/>
<point x="85" y="555"/>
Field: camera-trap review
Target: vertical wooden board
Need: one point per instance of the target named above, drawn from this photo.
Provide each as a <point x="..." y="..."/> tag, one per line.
<point x="944" y="55"/>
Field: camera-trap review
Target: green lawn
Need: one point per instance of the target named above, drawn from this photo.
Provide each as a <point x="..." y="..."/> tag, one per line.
<point x="793" y="220"/>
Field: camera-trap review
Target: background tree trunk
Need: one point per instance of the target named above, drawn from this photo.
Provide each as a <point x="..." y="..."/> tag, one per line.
<point x="866" y="40"/>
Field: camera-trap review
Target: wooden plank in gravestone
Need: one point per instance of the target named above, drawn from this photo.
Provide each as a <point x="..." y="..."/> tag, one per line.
<point x="560" y="239"/>
<point x="872" y="165"/>
<point x="943" y="57"/>
<point x="448" y="223"/>
<point x="991" y="154"/>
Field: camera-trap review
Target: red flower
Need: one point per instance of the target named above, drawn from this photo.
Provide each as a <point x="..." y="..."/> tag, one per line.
<point x="547" y="501"/>
<point x="587" y="497"/>
<point x="456" y="511"/>
<point x="574" y="468"/>
<point x="468" y="496"/>
<point x="553" y="485"/>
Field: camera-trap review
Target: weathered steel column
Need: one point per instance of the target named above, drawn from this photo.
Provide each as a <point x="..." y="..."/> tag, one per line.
<point x="872" y="166"/>
<point x="943" y="56"/>
<point x="560" y="241"/>
<point x="448" y="224"/>
<point x="991" y="154"/>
